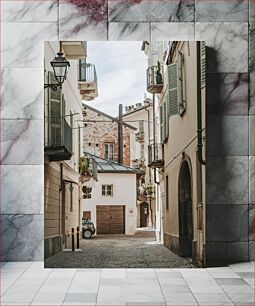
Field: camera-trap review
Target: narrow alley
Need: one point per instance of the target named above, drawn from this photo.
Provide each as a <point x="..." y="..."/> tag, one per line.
<point x="119" y="251"/>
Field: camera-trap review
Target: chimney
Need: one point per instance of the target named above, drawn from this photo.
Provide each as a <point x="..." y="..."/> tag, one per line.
<point x="120" y="135"/>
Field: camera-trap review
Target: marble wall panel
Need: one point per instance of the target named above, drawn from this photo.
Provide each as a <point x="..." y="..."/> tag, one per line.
<point x="29" y="11"/>
<point x="227" y="223"/>
<point x="152" y="10"/>
<point x="21" y="237"/>
<point x="129" y="31"/>
<point x="83" y="20"/>
<point x="227" y="180"/>
<point x="227" y="136"/>
<point x="227" y="45"/>
<point x="234" y="10"/>
<point x="177" y="31"/>
<point x="21" y="142"/>
<point x="22" y="93"/>
<point x="22" y="189"/>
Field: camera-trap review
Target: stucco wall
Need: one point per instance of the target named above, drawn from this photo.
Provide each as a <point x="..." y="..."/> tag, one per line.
<point x="124" y="193"/>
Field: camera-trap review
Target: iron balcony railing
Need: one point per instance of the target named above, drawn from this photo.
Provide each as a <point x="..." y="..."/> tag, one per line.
<point x="155" y="156"/>
<point x="155" y="79"/>
<point x="87" y="72"/>
<point x="59" y="134"/>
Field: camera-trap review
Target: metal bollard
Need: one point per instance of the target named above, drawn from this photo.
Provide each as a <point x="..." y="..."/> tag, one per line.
<point x="72" y="239"/>
<point x="78" y="237"/>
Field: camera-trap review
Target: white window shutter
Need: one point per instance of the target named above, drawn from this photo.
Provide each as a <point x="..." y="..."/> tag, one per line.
<point x="162" y="129"/>
<point x="166" y="104"/>
<point x="203" y="63"/>
<point x="173" y="89"/>
<point x="55" y="113"/>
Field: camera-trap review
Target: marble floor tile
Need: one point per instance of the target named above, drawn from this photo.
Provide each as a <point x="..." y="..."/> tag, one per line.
<point x="83" y="20"/>
<point x="44" y="298"/>
<point x="27" y="40"/>
<point x="22" y="93"/>
<point x="180" y="299"/>
<point x="242" y="299"/>
<point x="243" y="267"/>
<point x="234" y="10"/>
<point x="16" y="179"/>
<point x="81" y="298"/>
<point x="213" y="299"/>
<point x="226" y="43"/>
<point x="24" y="137"/>
<point x="114" y="273"/>
<point x="129" y="31"/>
<point x="153" y="10"/>
<point x="29" y="11"/>
<point x="166" y="31"/>
<point x="222" y="272"/>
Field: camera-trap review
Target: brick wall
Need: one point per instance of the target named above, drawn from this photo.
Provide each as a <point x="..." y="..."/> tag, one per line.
<point x="96" y="134"/>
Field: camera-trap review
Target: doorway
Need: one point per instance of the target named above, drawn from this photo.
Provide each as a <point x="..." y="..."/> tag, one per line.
<point x="144" y="214"/>
<point x="185" y="211"/>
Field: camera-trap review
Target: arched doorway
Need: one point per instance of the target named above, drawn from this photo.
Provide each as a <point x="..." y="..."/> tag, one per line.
<point x="185" y="211"/>
<point x="144" y="214"/>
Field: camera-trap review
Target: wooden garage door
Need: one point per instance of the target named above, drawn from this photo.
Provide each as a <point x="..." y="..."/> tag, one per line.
<point x="110" y="219"/>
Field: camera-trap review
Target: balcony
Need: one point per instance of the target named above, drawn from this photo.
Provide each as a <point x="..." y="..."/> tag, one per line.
<point x="58" y="146"/>
<point x="155" y="79"/>
<point x="139" y="137"/>
<point x="139" y="164"/>
<point x="74" y="50"/>
<point x="87" y="81"/>
<point x="155" y="156"/>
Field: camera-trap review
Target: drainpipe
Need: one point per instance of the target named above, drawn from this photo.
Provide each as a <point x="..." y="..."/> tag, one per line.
<point x="120" y="135"/>
<point x="199" y="108"/>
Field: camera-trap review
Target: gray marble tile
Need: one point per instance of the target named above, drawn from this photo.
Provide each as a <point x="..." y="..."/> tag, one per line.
<point x="81" y="297"/>
<point x="172" y="31"/>
<point x="251" y="222"/>
<point x="129" y="31"/>
<point x="251" y="180"/>
<point x="22" y="142"/>
<point x="213" y="299"/>
<point x="22" y="93"/>
<point x="251" y="69"/>
<point x="234" y="10"/>
<point x="227" y="45"/>
<point x="227" y="223"/>
<point x="251" y="251"/>
<point x="227" y="180"/>
<point x="153" y="10"/>
<point x="227" y="94"/>
<point x="29" y="11"/>
<point x="238" y="252"/>
<point x="251" y="10"/>
<point x="22" y="43"/>
<point x="251" y="135"/>
<point x="227" y="136"/>
<point x="216" y="252"/>
<point x="242" y="299"/>
<point x="22" y="237"/>
<point x="22" y="189"/>
<point x="83" y="20"/>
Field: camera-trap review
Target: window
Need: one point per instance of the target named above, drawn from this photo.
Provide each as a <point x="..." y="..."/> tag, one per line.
<point x="141" y="126"/>
<point x="107" y="190"/>
<point x="167" y="195"/>
<point x="109" y="151"/>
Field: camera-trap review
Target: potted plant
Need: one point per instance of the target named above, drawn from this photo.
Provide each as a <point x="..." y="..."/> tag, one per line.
<point x="159" y="79"/>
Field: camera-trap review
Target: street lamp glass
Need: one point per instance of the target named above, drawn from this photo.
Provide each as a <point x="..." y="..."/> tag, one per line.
<point x="60" y="65"/>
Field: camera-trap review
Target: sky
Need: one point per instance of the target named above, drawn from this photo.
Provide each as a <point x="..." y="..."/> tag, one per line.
<point x="121" y="72"/>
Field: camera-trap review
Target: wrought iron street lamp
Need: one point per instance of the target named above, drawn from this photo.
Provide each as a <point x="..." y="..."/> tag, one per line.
<point x="60" y="65"/>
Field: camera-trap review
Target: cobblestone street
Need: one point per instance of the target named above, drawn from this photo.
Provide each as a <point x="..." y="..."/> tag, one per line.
<point x="119" y="251"/>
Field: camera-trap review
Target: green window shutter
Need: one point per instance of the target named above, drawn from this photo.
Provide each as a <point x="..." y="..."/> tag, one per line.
<point x="166" y="116"/>
<point x="180" y="79"/>
<point x="173" y="90"/>
<point x="162" y="137"/>
<point x="55" y="113"/>
<point x="165" y="120"/>
<point x="203" y="63"/>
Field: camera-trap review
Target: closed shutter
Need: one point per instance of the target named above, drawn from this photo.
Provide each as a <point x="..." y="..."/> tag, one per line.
<point x="203" y="63"/>
<point x="166" y="118"/>
<point x="180" y="79"/>
<point x="55" y="113"/>
<point x="173" y="90"/>
<point x="162" y="129"/>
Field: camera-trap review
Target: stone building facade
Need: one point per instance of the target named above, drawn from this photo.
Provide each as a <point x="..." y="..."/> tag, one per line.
<point x="100" y="135"/>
